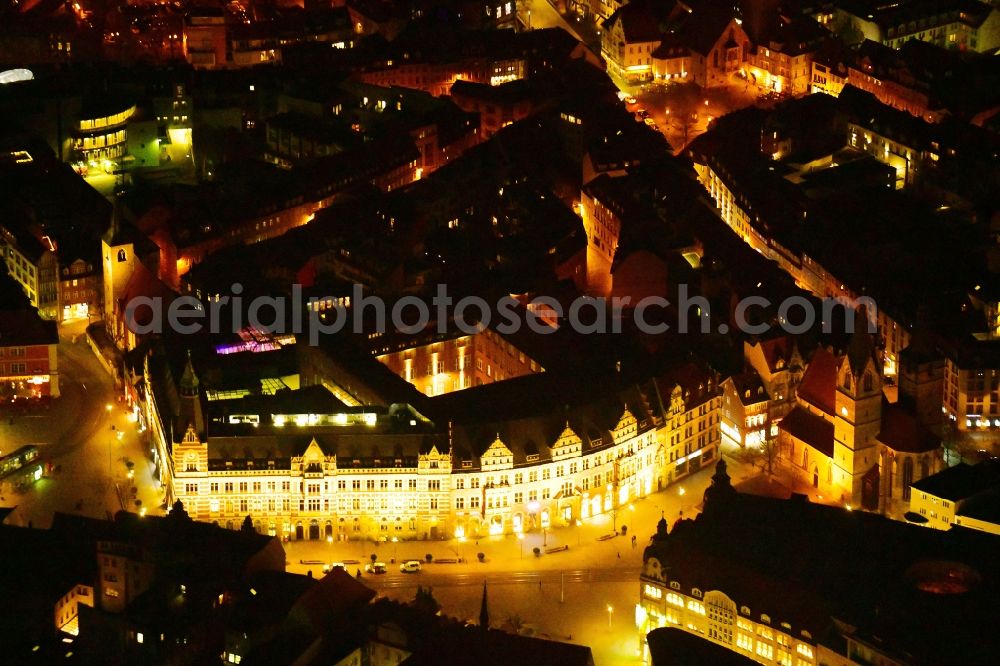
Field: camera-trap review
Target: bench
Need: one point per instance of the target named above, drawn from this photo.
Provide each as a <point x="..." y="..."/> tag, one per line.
<point x="556" y="549"/>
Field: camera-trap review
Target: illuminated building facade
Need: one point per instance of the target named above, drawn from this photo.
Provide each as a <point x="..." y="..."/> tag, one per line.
<point x="33" y="263"/>
<point x="629" y="37"/>
<point x="785" y="582"/>
<point x="350" y="472"/>
<point x="963" y="495"/>
<point x="745" y="415"/>
<point x="79" y="291"/>
<point x="102" y="135"/>
<point x="29" y="366"/>
<point x="457" y="363"/>
<point x="841" y="439"/>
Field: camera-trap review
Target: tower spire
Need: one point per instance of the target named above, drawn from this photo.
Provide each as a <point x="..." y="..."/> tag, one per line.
<point x="484" y="611"/>
<point x="189" y="380"/>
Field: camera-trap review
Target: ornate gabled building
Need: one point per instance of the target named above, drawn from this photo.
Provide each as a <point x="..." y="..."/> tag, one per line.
<point x="304" y="465"/>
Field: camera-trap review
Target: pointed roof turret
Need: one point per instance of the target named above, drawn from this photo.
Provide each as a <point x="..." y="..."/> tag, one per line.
<point x="861" y="348"/>
<point x="189" y="380"/>
<point x="661" y="527"/>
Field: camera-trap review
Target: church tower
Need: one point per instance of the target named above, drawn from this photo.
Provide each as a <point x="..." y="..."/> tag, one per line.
<point x="858" y="418"/>
<point x="191" y="417"/>
<point x="118" y="263"/>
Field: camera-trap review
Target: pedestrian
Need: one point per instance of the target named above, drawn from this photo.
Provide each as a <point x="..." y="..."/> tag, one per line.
<point x="539" y="586"/>
<point x="619" y="555"/>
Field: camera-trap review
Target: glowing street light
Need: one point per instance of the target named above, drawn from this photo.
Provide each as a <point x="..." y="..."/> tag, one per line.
<point x="610" y="612"/>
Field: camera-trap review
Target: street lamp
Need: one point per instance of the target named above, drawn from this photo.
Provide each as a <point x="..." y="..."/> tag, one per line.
<point x="610" y="611"/>
<point x="520" y="541"/>
<point x="529" y="19"/>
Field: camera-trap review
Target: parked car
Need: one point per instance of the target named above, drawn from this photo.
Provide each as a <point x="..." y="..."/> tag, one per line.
<point x="376" y="568"/>
<point x="651" y="123"/>
<point x="631" y="100"/>
<point x="327" y="568"/>
<point x="642" y="113"/>
<point x="410" y="566"/>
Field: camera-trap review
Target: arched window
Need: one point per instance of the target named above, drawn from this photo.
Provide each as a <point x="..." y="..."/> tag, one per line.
<point x="924" y="468"/>
<point x="847" y="381"/>
<point x="907" y="477"/>
<point x="805" y="456"/>
<point x="121" y="256"/>
<point x="868" y="381"/>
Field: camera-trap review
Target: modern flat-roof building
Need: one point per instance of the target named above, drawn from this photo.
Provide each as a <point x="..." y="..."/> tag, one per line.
<point x="963" y="495"/>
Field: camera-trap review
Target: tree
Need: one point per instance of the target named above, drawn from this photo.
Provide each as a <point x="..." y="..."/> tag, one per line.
<point x="481" y="557"/>
<point x="425" y="600"/>
<point x="515" y="623"/>
<point x="429" y="558"/>
<point x="537" y="551"/>
<point x="684" y="101"/>
<point x="373" y="558"/>
<point x="847" y="30"/>
<point x="764" y="456"/>
<point x="958" y="444"/>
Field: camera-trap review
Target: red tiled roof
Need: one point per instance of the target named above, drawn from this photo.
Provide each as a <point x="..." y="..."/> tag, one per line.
<point x="819" y="383"/>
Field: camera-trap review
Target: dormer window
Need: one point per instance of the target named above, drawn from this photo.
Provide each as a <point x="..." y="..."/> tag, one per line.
<point x="121" y="256"/>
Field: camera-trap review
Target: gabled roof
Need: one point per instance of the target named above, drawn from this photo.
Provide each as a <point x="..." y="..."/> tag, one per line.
<point x="819" y="383"/>
<point x="641" y="20"/>
<point x="705" y="26"/>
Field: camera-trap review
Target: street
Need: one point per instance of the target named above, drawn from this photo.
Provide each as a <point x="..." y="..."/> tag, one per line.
<point x="591" y="572"/>
<point x="684" y="111"/>
<point x="87" y="438"/>
<point x="539" y="14"/>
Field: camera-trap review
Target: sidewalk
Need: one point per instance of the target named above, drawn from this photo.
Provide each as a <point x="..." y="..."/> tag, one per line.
<point x="586" y="549"/>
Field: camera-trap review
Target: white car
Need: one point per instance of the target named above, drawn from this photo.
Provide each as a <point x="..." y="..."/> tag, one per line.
<point x="376" y="568"/>
<point x="327" y="568"/>
<point x="410" y="566"/>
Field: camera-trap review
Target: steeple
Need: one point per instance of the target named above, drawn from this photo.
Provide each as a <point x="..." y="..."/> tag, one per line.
<point x="861" y="347"/>
<point x="484" y="612"/>
<point x="191" y="419"/>
<point x="189" y="380"/>
<point x="661" y="528"/>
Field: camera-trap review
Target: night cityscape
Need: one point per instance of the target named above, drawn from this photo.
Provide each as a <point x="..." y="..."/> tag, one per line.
<point x="489" y="332"/>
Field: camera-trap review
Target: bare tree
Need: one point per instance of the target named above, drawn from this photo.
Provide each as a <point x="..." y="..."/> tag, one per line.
<point x="765" y="455"/>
